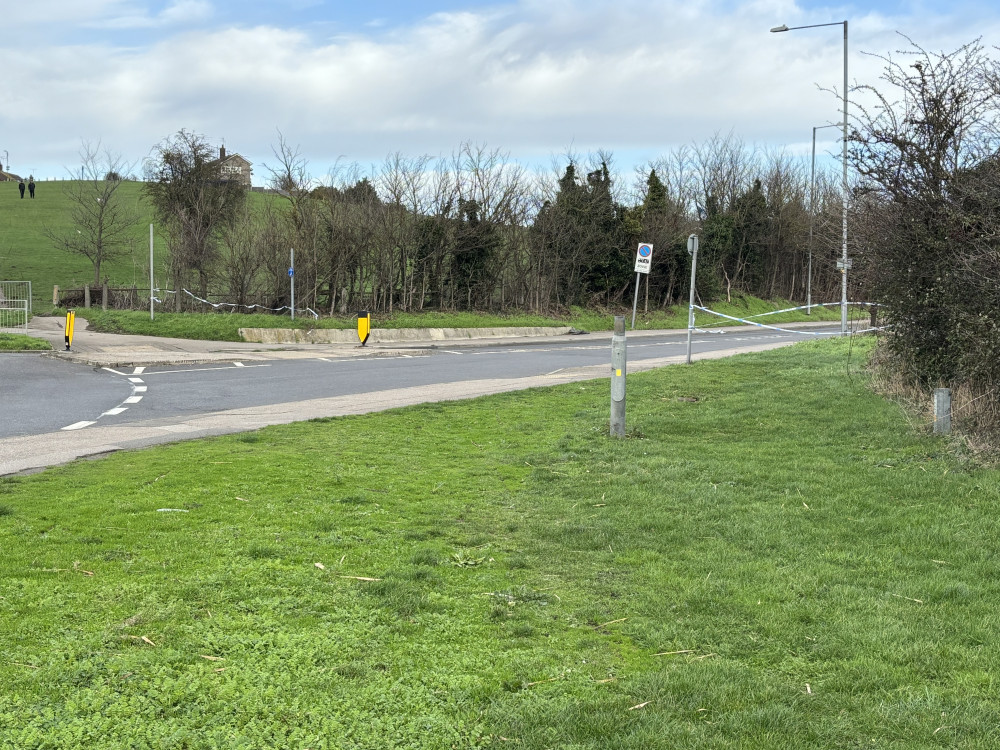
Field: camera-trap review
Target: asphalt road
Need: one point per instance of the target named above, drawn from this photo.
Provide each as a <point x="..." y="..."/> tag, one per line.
<point x="53" y="411"/>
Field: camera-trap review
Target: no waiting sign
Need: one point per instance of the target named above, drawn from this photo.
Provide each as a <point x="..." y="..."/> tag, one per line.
<point x="644" y="258"/>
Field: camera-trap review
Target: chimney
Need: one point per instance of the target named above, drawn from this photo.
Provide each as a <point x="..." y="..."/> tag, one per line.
<point x="222" y="153"/>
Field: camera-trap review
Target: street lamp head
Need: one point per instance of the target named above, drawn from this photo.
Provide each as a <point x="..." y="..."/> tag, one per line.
<point x="777" y="29"/>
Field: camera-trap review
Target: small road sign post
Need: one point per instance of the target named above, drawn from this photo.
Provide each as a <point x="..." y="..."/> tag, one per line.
<point x="643" y="262"/>
<point x="291" y="278"/>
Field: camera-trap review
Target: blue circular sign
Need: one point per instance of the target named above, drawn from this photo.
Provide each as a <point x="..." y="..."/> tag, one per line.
<point x="645" y="251"/>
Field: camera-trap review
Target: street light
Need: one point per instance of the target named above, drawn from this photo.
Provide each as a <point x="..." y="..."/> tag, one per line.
<point x="812" y="219"/>
<point x="844" y="263"/>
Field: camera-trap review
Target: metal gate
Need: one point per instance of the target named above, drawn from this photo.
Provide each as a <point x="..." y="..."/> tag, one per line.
<point x="15" y="305"/>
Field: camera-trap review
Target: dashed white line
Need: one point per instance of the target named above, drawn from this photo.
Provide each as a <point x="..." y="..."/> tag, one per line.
<point x="78" y="425"/>
<point x="114" y="412"/>
<point x="132" y="400"/>
<point x="238" y="364"/>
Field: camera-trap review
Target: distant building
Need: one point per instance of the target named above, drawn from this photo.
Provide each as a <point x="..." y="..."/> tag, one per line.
<point x="234" y="167"/>
<point x="7" y="176"/>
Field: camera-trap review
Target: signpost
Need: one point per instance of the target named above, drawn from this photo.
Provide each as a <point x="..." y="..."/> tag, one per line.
<point x="643" y="261"/>
<point x="291" y="278"/>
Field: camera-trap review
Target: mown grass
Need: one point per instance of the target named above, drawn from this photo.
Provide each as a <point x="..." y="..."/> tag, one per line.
<point x="225" y="326"/>
<point x="773" y="558"/>
<point x="16" y="342"/>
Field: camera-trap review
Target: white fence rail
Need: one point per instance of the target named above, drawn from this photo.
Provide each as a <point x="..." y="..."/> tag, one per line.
<point x="15" y="305"/>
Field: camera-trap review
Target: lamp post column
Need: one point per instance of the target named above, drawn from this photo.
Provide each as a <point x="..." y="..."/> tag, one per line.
<point x="843" y="288"/>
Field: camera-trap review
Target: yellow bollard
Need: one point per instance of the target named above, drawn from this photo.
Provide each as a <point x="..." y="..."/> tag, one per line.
<point x="70" y="320"/>
<point x="364" y="326"/>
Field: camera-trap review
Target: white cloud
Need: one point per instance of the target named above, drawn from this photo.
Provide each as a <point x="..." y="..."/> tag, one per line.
<point x="635" y="77"/>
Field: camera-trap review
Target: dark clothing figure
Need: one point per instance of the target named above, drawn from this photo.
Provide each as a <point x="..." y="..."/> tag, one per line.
<point x="20" y="186"/>
<point x="31" y="188"/>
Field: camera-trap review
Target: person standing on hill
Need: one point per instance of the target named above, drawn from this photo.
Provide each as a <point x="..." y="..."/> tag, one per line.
<point x="20" y="186"/>
<point x="31" y="186"/>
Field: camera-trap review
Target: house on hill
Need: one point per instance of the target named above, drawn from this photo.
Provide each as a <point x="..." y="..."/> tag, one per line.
<point x="7" y="176"/>
<point x="234" y="167"/>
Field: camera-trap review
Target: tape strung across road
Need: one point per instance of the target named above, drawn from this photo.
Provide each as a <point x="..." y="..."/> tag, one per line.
<point x="774" y="328"/>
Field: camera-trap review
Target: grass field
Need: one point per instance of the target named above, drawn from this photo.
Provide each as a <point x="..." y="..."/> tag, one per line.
<point x="774" y="558"/>
<point x="26" y="254"/>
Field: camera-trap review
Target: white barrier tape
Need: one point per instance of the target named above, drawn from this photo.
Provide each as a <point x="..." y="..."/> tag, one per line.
<point x="762" y="325"/>
<point x="815" y="304"/>
<point x="776" y="328"/>
<point x="217" y="305"/>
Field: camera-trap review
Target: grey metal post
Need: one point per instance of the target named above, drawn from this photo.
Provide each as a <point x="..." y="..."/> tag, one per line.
<point x="942" y="411"/>
<point x="291" y="275"/>
<point x="635" y="299"/>
<point x="693" y="250"/>
<point x="618" y="367"/>
<point x="151" y="272"/>
<point x="843" y="288"/>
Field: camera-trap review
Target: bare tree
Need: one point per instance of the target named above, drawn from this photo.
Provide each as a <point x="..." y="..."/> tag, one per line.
<point x="190" y="196"/>
<point x="102" y="220"/>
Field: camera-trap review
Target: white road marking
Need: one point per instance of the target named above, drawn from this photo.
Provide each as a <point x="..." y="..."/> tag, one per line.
<point x="112" y="370"/>
<point x="135" y="380"/>
<point x="78" y="425"/>
<point x="114" y="412"/>
<point x="554" y="371"/>
<point x="139" y="389"/>
<point x="139" y="370"/>
<point x="199" y="369"/>
<point x="238" y="364"/>
<point x="324" y="359"/>
<point x="132" y="400"/>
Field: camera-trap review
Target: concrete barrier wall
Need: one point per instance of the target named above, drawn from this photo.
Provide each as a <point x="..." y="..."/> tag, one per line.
<point x="389" y="335"/>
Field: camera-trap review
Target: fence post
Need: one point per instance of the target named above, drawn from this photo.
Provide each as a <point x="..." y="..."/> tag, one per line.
<point x="104" y="296"/>
<point x="55" y="295"/>
<point x="86" y="295"/>
<point x="942" y="411"/>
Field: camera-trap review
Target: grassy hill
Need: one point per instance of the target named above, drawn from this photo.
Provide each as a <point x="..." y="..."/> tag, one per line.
<point x="26" y="254"/>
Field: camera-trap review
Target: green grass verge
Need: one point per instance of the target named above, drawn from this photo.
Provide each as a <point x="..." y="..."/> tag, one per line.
<point x="225" y="326"/>
<point x="772" y="559"/>
<point x="15" y="342"/>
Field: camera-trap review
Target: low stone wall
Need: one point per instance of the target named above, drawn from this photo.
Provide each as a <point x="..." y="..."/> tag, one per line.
<point x="390" y="335"/>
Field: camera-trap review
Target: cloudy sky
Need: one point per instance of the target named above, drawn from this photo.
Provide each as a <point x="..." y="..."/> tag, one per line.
<point x="349" y="81"/>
